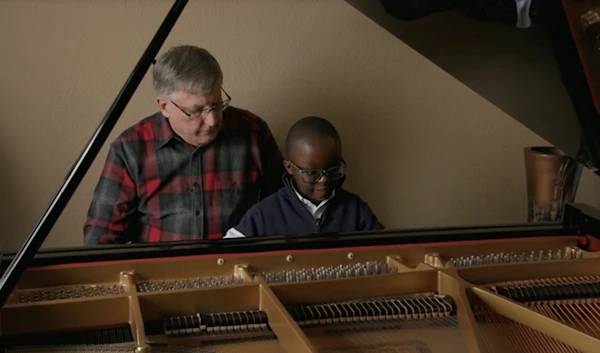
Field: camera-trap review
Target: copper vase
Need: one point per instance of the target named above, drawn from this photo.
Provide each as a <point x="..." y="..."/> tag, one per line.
<point x="552" y="181"/>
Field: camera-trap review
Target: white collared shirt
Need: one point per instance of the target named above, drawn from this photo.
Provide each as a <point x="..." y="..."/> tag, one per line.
<point x="316" y="212"/>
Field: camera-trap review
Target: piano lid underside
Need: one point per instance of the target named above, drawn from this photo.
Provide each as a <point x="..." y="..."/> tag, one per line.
<point x="532" y="295"/>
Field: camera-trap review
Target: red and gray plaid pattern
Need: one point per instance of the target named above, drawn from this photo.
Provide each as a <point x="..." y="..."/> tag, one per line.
<point x="154" y="187"/>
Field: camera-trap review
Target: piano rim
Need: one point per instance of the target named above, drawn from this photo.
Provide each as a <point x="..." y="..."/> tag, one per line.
<point x="578" y="220"/>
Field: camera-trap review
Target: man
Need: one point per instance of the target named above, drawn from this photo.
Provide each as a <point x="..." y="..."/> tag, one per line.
<point x="191" y="170"/>
<point x="313" y="200"/>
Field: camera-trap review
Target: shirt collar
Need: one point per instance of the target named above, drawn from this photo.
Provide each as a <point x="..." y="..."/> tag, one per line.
<point x="164" y="132"/>
<point x="309" y="203"/>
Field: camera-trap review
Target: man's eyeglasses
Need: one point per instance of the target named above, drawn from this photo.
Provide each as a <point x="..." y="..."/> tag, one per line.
<point x="312" y="176"/>
<point x="225" y="101"/>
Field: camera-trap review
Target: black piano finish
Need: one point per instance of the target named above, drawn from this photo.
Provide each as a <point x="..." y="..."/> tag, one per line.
<point x="578" y="220"/>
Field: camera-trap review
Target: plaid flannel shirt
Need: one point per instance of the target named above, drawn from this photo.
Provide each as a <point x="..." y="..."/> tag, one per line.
<point x="154" y="187"/>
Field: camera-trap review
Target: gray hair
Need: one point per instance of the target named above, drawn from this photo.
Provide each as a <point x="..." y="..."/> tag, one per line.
<point x="186" y="68"/>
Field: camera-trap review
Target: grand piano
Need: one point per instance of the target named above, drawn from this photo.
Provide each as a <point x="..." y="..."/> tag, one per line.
<point x="532" y="287"/>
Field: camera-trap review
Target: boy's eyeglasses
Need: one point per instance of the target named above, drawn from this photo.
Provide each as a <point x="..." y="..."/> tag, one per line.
<point x="312" y="176"/>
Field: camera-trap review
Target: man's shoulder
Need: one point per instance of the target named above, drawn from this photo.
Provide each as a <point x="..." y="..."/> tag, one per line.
<point x="142" y="131"/>
<point x="241" y="120"/>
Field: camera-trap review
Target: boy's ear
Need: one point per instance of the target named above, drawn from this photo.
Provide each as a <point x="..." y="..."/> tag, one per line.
<point x="289" y="168"/>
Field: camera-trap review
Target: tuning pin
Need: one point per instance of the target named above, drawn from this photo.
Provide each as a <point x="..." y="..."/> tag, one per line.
<point x="558" y="255"/>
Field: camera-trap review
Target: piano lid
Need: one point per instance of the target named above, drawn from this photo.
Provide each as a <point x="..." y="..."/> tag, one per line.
<point x="554" y="54"/>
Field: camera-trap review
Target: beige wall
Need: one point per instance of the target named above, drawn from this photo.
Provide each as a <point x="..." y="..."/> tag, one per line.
<point x="512" y="68"/>
<point x="423" y="149"/>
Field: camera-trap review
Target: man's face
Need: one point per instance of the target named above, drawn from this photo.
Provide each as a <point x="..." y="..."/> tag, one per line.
<point x="196" y="119"/>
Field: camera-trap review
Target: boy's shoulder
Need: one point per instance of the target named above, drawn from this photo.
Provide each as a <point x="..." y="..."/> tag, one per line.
<point x="270" y="202"/>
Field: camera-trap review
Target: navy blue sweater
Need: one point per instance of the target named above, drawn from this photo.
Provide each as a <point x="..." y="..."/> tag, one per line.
<point x="282" y="213"/>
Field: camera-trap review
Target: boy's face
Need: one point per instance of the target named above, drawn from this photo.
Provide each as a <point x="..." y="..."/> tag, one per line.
<point x="312" y="158"/>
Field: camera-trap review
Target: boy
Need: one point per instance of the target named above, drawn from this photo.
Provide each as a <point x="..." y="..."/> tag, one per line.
<point x="312" y="200"/>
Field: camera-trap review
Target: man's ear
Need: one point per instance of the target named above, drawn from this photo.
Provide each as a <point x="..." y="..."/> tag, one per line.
<point x="162" y="106"/>
<point x="289" y="168"/>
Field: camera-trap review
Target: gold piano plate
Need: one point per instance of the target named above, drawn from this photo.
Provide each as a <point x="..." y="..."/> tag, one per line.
<point x="542" y="293"/>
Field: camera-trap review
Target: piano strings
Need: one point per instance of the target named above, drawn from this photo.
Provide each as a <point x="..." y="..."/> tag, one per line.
<point x="503" y="335"/>
<point x="414" y="322"/>
<point x="368" y="268"/>
<point x="408" y="323"/>
<point x="571" y="300"/>
<point x="513" y="257"/>
<point x="419" y="323"/>
<point x="70" y="292"/>
<point x="574" y="301"/>
<point x="188" y="283"/>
